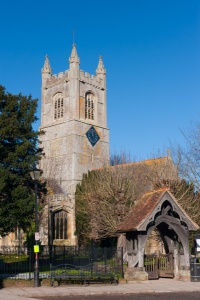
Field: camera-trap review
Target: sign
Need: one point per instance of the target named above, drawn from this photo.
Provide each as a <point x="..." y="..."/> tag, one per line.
<point x="37" y="236"/>
<point x="36" y="248"/>
<point x="198" y="245"/>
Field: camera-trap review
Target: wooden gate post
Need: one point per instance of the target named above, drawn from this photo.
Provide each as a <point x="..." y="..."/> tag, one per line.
<point x="176" y="262"/>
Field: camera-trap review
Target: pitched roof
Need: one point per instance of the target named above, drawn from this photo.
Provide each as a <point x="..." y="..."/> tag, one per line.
<point x="141" y="210"/>
<point x="153" y="161"/>
<point x="145" y="207"/>
<point x="162" y="166"/>
<point x="146" y="174"/>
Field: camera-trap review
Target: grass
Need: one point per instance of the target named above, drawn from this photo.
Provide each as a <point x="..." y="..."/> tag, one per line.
<point x="13" y="258"/>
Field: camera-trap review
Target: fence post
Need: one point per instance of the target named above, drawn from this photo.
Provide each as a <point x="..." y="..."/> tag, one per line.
<point x="30" y="258"/>
<point x="64" y="255"/>
<point x="50" y="255"/>
<point x="105" y="258"/>
<point x="54" y="255"/>
<point x="122" y="262"/>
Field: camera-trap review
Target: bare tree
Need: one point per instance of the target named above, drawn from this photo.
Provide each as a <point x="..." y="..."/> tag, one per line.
<point x="186" y="194"/>
<point x="187" y="158"/>
<point x="105" y="197"/>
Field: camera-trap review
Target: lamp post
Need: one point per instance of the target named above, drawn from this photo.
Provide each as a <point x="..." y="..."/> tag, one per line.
<point x="35" y="175"/>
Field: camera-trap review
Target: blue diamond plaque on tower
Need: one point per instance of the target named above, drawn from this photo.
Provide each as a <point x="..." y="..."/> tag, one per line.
<point x="92" y="136"/>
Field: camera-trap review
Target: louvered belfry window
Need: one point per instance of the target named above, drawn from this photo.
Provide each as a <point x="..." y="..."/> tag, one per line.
<point x="58" y="106"/>
<point x="89" y="106"/>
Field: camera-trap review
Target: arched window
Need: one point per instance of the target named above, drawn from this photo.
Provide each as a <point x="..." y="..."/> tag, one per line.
<point x="60" y="225"/>
<point x="89" y="106"/>
<point x="58" y="106"/>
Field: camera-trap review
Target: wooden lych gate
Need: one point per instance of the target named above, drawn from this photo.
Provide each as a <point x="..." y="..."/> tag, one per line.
<point x="157" y="211"/>
<point x="161" y="265"/>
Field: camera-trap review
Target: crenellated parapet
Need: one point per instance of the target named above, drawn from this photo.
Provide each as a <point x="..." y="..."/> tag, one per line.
<point x="85" y="77"/>
<point x="93" y="80"/>
<point x="74" y="73"/>
<point x="59" y="78"/>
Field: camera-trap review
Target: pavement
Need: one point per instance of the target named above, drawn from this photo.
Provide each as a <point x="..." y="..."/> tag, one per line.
<point x="152" y="286"/>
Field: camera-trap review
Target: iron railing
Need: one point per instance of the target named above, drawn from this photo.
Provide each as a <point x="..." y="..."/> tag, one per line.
<point x="18" y="262"/>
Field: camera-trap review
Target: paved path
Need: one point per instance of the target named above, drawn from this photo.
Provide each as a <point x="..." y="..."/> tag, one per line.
<point x="153" y="286"/>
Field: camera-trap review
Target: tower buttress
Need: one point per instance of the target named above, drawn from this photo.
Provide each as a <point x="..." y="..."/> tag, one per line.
<point x="46" y="70"/>
<point x="74" y="71"/>
<point x="46" y="74"/>
<point x="101" y="73"/>
<point x="74" y="62"/>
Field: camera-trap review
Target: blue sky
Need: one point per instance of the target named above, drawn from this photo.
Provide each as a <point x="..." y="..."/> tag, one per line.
<point x="150" y="50"/>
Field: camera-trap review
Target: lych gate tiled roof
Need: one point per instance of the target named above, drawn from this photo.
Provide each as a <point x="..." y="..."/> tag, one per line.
<point x="144" y="208"/>
<point x="141" y="210"/>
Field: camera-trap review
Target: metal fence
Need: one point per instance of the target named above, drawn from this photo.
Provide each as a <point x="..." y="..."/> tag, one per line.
<point x="18" y="262"/>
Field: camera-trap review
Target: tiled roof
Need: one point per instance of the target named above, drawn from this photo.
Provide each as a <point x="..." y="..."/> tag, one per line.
<point x="146" y="174"/>
<point x="146" y="206"/>
<point x="141" y="210"/>
<point x="156" y="169"/>
<point x="159" y="160"/>
<point x="153" y="161"/>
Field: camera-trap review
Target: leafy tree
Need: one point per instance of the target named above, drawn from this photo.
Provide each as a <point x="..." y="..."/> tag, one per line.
<point x="18" y="152"/>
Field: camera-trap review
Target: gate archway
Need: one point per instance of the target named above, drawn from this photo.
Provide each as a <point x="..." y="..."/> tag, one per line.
<point x="158" y="210"/>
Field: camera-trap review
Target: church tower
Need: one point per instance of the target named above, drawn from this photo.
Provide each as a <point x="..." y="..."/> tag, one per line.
<point x="75" y="140"/>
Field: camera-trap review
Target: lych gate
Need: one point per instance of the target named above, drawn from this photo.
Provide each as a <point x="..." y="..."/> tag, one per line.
<point x="157" y="211"/>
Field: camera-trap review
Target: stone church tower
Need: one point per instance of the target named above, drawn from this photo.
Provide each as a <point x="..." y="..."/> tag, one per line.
<point x="76" y="139"/>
